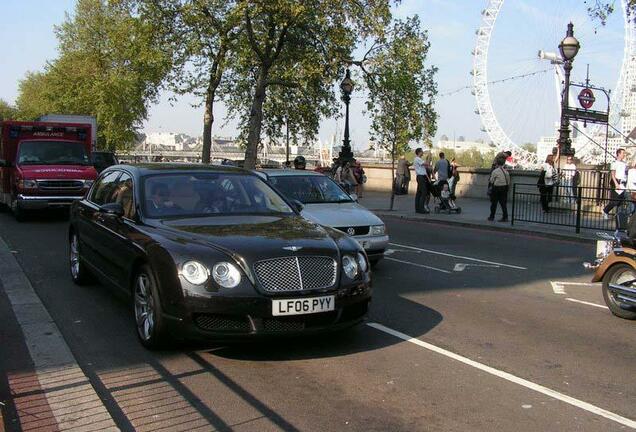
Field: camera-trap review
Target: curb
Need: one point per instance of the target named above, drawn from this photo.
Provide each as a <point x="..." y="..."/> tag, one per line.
<point x="57" y="381"/>
<point x="506" y="229"/>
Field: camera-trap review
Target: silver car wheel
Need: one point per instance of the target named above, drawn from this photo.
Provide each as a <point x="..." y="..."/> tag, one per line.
<point x="74" y="257"/>
<point x="144" y="307"/>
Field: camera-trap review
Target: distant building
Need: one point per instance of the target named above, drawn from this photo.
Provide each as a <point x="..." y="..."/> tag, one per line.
<point x="461" y="144"/>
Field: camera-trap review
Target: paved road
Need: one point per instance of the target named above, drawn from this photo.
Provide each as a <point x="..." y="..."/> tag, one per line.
<point x="495" y="347"/>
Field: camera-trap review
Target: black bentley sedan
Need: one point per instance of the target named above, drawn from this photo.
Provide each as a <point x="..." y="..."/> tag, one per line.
<point x="214" y="252"/>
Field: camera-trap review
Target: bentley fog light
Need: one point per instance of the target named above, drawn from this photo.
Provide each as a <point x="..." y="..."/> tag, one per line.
<point x="226" y="274"/>
<point x="195" y="272"/>
<point x="362" y="263"/>
<point x="377" y="230"/>
<point x="350" y="266"/>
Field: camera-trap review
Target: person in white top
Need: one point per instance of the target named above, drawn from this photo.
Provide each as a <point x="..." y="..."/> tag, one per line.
<point x="422" y="182"/>
<point x="618" y="181"/>
<point x="567" y="174"/>
<point x="547" y="179"/>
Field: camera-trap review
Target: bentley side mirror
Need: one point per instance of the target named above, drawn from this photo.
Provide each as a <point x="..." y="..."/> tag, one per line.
<point x="298" y="206"/>
<point x="112" y="209"/>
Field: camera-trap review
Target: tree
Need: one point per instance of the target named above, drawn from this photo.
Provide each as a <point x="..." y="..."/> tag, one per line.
<point x="531" y="147"/>
<point x="7" y="111"/>
<point x="294" y="51"/>
<point x="110" y="66"/>
<point x="601" y="9"/>
<point x="202" y="34"/>
<point x="401" y="90"/>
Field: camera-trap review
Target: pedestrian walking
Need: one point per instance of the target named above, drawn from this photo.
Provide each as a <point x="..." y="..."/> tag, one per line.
<point x="442" y="169"/>
<point x="403" y="176"/>
<point x="454" y="177"/>
<point x="568" y="180"/>
<point x="361" y="178"/>
<point x="499" y="184"/>
<point x="631" y="186"/>
<point x="618" y="180"/>
<point x="421" y="175"/>
<point x="345" y="177"/>
<point x="547" y="179"/>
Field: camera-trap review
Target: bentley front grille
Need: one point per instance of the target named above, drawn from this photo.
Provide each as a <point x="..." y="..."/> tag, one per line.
<point x="296" y="273"/>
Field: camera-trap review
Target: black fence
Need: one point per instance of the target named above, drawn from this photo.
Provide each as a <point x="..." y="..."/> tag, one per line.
<point x="579" y="207"/>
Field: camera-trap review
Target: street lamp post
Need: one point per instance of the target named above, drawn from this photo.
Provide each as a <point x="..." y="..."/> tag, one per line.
<point x="346" y="155"/>
<point x="568" y="47"/>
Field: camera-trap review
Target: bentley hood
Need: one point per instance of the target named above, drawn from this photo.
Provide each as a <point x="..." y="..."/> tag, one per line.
<point x="254" y="237"/>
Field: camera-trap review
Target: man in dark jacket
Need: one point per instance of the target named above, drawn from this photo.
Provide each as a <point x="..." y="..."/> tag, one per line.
<point x="403" y="177"/>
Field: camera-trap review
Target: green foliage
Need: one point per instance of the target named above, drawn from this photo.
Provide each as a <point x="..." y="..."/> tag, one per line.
<point x="201" y="34"/>
<point x="110" y="67"/>
<point x="469" y="158"/>
<point x="401" y="88"/>
<point x="531" y="147"/>
<point x="7" y="111"/>
<point x="288" y="59"/>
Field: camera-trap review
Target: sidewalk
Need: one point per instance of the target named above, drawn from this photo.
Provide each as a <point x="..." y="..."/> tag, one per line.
<point x="474" y="214"/>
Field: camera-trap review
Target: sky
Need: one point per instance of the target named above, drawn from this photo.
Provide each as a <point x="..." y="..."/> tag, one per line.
<point x="526" y="107"/>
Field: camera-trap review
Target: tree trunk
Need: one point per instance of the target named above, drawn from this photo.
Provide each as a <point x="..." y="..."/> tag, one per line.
<point x="208" y="120"/>
<point x="256" y="120"/>
<point x="392" y="176"/>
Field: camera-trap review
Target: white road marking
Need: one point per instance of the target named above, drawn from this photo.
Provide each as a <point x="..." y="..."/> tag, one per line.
<point x="458" y="256"/>
<point x="461" y="266"/>
<point x="418" y="265"/>
<point x="392" y="251"/>
<point x="509" y="377"/>
<point x="558" y="287"/>
<point x="586" y="303"/>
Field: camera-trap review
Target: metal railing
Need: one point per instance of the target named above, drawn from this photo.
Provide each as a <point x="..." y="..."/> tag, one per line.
<point x="579" y="207"/>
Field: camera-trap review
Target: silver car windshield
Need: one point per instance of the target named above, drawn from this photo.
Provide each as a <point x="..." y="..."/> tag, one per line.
<point x="310" y="189"/>
<point x="209" y="194"/>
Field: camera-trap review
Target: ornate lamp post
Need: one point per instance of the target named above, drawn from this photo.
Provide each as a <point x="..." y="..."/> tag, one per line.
<point x="346" y="155"/>
<point x="568" y="47"/>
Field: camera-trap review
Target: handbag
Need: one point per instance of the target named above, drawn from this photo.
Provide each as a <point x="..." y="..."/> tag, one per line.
<point x="489" y="191"/>
<point x="541" y="181"/>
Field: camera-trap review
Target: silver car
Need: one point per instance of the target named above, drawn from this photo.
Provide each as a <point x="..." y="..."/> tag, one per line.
<point x="326" y="203"/>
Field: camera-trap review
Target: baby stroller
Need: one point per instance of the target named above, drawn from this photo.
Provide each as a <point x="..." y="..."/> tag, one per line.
<point x="444" y="200"/>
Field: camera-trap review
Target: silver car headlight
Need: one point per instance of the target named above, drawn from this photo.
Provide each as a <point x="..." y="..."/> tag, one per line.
<point x="377" y="230"/>
<point x="350" y="266"/>
<point x="195" y="272"/>
<point x="362" y="263"/>
<point x="226" y="274"/>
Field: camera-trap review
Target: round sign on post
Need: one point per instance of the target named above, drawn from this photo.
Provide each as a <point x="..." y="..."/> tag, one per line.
<point x="586" y="98"/>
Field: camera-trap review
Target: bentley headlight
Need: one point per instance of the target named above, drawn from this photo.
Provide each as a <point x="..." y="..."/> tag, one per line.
<point x="350" y="266"/>
<point x="195" y="272"/>
<point x="226" y="274"/>
<point x="362" y="263"/>
<point x="377" y="230"/>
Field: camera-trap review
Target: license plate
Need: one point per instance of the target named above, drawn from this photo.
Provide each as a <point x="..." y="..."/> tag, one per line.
<point x="302" y="306"/>
<point x="364" y="244"/>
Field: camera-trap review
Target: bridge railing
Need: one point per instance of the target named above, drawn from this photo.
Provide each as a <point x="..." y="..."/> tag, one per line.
<point x="579" y="207"/>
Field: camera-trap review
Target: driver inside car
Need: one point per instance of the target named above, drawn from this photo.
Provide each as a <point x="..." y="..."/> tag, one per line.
<point x="160" y="197"/>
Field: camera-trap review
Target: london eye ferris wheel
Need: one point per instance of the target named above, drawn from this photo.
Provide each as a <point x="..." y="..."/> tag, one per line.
<point x="518" y="77"/>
